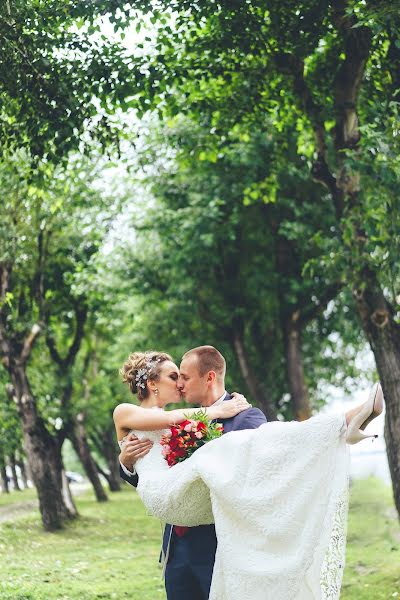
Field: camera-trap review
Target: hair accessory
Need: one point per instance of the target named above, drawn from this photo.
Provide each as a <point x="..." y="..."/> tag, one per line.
<point x="143" y="373"/>
<point x="141" y="377"/>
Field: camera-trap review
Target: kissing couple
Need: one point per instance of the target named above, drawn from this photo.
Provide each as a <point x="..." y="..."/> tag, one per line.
<point x="259" y="513"/>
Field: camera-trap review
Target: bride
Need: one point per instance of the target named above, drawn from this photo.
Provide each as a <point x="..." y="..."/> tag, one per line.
<point x="281" y="532"/>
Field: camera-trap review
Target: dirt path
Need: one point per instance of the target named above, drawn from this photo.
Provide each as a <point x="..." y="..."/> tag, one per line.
<point x="17" y="510"/>
<point x="12" y="512"/>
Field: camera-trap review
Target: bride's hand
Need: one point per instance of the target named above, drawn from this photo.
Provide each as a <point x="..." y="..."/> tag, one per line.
<point x="229" y="408"/>
<point x="238" y="396"/>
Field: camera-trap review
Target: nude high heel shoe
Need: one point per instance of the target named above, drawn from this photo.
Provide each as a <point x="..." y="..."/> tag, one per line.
<point x="371" y="409"/>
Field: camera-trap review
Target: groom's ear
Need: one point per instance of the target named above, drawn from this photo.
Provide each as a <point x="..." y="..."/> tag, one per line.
<point x="211" y="376"/>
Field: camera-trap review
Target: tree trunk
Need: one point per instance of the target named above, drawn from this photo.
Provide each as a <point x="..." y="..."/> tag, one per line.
<point x="254" y="386"/>
<point x="43" y="453"/>
<point x="113" y="476"/>
<point x="14" y="476"/>
<point x="106" y="445"/>
<point x="28" y="471"/>
<point x="79" y="441"/>
<point x="21" y="464"/>
<point x="383" y="334"/>
<point x="45" y="465"/>
<point x="377" y="316"/>
<point x="67" y="495"/>
<point x="294" y="362"/>
<point x="4" y="480"/>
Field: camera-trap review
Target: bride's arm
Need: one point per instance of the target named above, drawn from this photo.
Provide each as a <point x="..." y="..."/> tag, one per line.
<point x="128" y="416"/>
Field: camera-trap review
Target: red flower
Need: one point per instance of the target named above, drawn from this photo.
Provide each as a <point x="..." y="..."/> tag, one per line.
<point x="180" y="444"/>
<point x="173" y="443"/>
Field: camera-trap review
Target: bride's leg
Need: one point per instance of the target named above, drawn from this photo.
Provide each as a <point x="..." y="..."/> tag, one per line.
<point x="363" y="415"/>
<point x="352" y="413"/>
<point x="375" y="413"/>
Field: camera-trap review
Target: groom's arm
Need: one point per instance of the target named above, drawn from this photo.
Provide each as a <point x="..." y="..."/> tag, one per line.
<point x="251" y="418"/>
<point x="129" y="477"/>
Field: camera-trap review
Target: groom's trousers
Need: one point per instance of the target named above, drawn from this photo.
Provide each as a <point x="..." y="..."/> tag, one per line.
<point x="190" y="565"/>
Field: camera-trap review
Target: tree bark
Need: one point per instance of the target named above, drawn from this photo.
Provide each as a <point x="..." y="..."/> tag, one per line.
<point x="43" y="452"/>
<point x="28" y="471"/>
<point x="292" y="320"/>
<point x="21" y="464"/>
<point x="383" y="334"/>
<point x="42" y="449"/>
<point x="14" y="476"/>
<point x="254" y="386"/>
<point x="67" y="495"/>
<point x="295" y="370"/>
<point x="377" y="316"/>
<point x="106" y="446"/>
<point x="4" y="480"/>
<point x="79" y="441"/>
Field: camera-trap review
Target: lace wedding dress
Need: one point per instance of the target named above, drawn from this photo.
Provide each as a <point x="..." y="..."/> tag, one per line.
<point x="278" y="496"/>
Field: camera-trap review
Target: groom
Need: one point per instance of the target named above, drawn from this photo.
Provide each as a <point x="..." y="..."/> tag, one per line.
<point x="190" y="551"/>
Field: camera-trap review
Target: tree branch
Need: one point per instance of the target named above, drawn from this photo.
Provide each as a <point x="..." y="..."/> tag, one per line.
<point x="4" y="280"/>
<point x="357" y="45"/>
<point x="101" y="471"/>
<point x="95" y="441"/>
<point x="313" y="310"/>
<point x="294" y="66"/>
<point x="53" y="350"/>
<point x="393" y="55"/>
<point x="29" y="342"/>
<point x="81" y="316"/>
<point x="4" y="347"/>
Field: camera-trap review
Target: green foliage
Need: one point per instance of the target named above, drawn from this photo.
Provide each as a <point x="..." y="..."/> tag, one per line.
<point x="277" y="65"/>
<point x="10" y="431"/>
<point x="54" y="222"/>
<point x="57" y="68"/>
<point x="203" y="264"/>
<point x="232" y="235"/>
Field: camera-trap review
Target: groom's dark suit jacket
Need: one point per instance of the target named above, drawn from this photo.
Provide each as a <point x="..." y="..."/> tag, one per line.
<point x="251" y="418"/>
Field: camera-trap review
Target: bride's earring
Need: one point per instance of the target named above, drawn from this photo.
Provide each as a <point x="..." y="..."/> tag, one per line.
<point x="156" y="391"/>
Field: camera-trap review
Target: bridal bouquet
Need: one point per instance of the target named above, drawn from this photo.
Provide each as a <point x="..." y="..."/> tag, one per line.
<point x="186" y="437"/>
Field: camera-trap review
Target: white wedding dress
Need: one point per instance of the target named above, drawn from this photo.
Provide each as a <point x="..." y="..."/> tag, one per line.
<point x="278" y="496"/>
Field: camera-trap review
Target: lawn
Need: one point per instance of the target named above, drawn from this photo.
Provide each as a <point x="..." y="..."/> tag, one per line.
<point x="112" y="551"/>
<point x="373" y="544"/>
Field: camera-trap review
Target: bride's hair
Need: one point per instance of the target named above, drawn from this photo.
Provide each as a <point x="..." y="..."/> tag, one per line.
<point x="140" y="367"/>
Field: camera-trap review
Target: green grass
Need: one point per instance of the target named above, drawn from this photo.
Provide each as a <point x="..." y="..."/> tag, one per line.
<point x="112" y="551"/>
<point x="17" y="497"/>
<point x="373" y="544"/>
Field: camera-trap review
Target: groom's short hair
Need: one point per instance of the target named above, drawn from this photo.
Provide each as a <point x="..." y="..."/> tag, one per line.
<point x="208" y="359"/>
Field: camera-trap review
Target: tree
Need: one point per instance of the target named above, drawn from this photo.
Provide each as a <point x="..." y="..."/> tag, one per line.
<point x="57" y="68"/>
<point x="10" y="437"/>
<point x="50" y="232"/>
<point x="330" y="71"/>
<point x="208" y="265"/>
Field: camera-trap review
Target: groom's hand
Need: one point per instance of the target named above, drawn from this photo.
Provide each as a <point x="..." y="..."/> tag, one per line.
<point x="133" y="450"/>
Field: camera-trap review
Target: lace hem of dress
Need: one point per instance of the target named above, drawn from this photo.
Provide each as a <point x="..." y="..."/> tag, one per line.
<point x="333" y="564"/>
